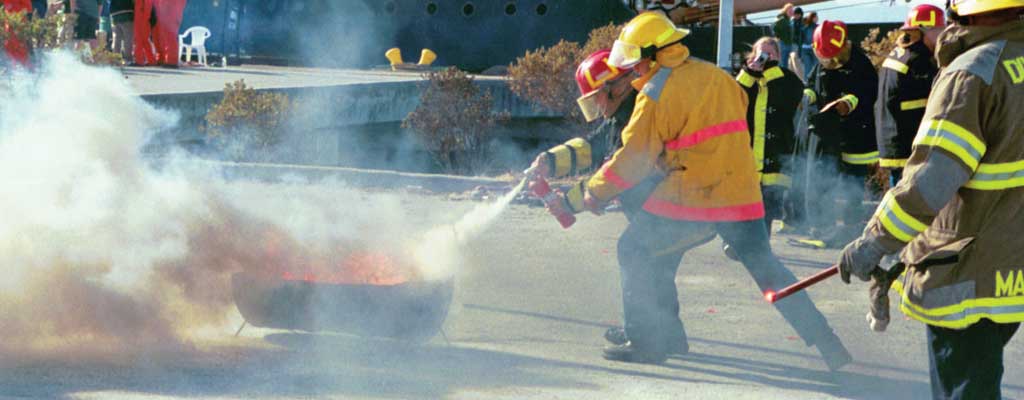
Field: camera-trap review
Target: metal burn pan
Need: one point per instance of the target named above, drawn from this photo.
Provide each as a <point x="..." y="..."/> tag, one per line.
<point x="413" y="310"/>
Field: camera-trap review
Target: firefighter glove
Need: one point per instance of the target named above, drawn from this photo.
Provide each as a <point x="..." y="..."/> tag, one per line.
<point x="859" y="258"/>
<point x="878" y="294"/>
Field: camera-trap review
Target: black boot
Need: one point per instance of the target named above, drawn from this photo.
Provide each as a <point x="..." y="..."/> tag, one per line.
<point x="833" y="351"/>
<point x="628" y="352"/>
<point x="676" y="346"/>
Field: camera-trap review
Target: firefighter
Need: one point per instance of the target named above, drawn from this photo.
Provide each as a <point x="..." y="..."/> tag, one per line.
<point x="687" y="141"/>
<point x="14" y="47"/>
<point x="144" y="55"/>
<point x="774" y="93"/>
<point x="845" y="84"/>
<point x="606" y="93"/>
<point x="956" y="213"/>
<point x="165" y="35"/>
<point x="904" y="82"/>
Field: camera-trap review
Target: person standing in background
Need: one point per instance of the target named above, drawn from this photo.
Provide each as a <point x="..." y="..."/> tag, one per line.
<point x="88" y="21"/>
<point x="122" y="22"/>
<point x="144" y="55"/>
<point x="806" y="51"/>
<point x="783" y="30"/>
<point x="15" y="48"/>
<point x="168" y="23"/>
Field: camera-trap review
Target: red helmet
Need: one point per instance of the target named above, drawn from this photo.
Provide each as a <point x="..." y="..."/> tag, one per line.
<point x="592" y="74"/>
<point x="829" y="38"/>
<point x="925" y="16"/>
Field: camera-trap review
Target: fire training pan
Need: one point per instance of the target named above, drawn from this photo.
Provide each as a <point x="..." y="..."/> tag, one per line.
<point x="413" y="310"/>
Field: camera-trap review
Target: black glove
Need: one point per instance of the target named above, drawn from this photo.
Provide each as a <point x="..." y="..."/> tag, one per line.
<point x="859" y="258"/>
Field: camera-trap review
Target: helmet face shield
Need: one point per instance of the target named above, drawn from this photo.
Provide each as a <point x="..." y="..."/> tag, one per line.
<point x="624" y="55"/>
<point x="588" y="105"/>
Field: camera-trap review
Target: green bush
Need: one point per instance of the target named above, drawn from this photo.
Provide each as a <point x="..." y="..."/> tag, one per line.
<point x="455" y="122"/>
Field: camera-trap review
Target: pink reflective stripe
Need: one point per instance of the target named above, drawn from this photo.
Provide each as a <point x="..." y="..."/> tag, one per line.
<point x="615" y="179"/>
<point x="745" y="212"/>
<point x="694" y="138"/>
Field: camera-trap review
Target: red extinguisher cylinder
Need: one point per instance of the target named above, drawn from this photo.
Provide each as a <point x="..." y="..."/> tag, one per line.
<point x="553" y="201"/>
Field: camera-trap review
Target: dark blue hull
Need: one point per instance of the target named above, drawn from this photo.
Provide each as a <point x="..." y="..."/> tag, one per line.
<point x="473" y="34"/>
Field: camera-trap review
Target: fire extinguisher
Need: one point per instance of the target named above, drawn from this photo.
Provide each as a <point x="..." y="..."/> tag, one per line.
<point x="551" y="198"/>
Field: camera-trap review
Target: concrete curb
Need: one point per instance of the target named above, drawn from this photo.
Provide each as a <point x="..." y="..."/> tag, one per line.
<point x="367" y="178"/>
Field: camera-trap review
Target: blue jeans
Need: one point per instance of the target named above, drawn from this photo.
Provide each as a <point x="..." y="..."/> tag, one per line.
<point x="649" y="253"/>
<point x="809" y="60"/>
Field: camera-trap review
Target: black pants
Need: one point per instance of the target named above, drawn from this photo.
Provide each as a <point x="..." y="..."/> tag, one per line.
<point x="968" y="363"/>
<point x="774" y="207"/>
<point x="649" y="253"/>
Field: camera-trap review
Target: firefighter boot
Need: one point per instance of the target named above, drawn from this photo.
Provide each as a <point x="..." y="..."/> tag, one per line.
<point x="833" y="351"/>
<point x="629" y="352"/>
<point x="677" y="346"/>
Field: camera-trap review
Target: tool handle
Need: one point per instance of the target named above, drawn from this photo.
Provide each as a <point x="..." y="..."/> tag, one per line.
<point x="772" y="297"/>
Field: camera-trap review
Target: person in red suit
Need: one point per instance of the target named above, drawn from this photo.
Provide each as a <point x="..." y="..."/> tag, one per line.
<point x="15" y="48"/>
<point x="168" y="23"/>
<point x="143" y="30"/>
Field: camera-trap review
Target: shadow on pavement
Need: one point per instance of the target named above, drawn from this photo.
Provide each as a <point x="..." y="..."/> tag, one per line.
<point x="306" y="365"/>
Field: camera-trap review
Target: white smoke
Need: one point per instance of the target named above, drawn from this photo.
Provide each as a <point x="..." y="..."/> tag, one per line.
<point x="439" y="252"/>
<point x="101" y="251"/>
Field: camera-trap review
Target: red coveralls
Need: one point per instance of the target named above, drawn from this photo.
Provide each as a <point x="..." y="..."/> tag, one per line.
<point x="143" y="48"/>
<point x="16" y="50"/>
<point x="168" y="23"/>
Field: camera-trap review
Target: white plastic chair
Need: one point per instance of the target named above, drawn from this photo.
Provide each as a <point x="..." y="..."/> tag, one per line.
<point x="199" y="36"/>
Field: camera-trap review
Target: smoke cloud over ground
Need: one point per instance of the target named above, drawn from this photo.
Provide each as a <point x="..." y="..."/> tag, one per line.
<point x="101" y="251"/>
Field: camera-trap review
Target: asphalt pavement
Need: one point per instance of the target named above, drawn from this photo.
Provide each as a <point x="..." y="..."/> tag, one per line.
<point x="531" y="305"/>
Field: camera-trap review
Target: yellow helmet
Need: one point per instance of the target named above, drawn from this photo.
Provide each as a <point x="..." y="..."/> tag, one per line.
<point x="971" y="7"/>
<point x="642" y="37"/>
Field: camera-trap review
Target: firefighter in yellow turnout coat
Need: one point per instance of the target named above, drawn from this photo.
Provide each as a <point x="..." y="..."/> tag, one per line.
<point x="957" y="213"/>
<point x="688" y="140"/>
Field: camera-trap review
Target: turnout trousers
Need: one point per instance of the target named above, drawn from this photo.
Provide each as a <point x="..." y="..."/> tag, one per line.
<point x="968" y="363"/>
<point x="649" y="253"/>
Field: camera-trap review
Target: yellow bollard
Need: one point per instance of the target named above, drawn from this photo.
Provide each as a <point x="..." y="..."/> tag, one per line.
<point x="394" y="55"/>
<point x="427" y="57"/>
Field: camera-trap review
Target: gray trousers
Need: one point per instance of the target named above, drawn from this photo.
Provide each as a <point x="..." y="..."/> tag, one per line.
<point x="124" y="39"/>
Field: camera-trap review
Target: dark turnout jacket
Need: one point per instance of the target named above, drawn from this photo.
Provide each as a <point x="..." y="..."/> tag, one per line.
<point x="957" y="213"/>
<point x="903" y="86"/>
<point x="856" y="81"/>
<point x="773" y="97"/>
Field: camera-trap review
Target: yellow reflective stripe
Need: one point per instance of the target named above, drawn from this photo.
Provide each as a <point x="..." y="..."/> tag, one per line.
<point x="776" y="179"/>
<point x="811" y="96"/>
<point x="997" y="176"/>
<point x="952" y="138"/>
<point x="861" y="159"/>
<point x="660" y="40"/>
<point x="896" y="221"/>
<point x="895" y="66"/>
<point x="745" y="79"/>
<point x="892" y="162"/>
<point x="913" y="104"/>
<point x="773" y="73"/>
<point x="852" y="100"/>
<point x="971" y="310"/>
<point x="760" y="119"/>
<point x="583" y="156"/>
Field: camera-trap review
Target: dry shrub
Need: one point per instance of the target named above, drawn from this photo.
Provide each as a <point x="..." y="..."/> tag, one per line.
<point x="246" y="120"/>
<point x="454" y="121"/>
<point x="601" y="38"/>
<point x="546" y="76"/>
<point x="878" y="49"/>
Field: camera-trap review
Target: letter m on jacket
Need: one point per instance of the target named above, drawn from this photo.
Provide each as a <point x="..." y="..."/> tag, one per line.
<point x="1011" y="285"/>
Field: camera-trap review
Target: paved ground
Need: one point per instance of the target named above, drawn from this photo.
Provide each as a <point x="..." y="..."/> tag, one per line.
<point x="531" y="305"/>
<point x="155" y="80"/>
